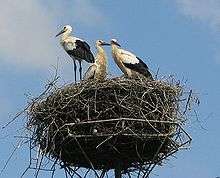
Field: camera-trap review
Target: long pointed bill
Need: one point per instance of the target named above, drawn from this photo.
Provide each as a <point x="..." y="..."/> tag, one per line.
<point x="106" y="44"/>
<point x="114" y="42"/>
<point x="61" y="32"/>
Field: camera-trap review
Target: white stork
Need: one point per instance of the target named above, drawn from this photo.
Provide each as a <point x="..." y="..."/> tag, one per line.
<point x="98" y="69"/>
<point x="130" y="64"/>
<point x="77" y="48"/>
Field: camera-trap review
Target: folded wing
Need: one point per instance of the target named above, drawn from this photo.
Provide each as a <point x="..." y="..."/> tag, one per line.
<point x="90" y="73"/>
<point x="80" y="51"/>
<point x="135" y="63"/>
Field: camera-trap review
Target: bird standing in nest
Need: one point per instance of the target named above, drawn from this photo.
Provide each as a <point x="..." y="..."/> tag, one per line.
<point x="131" y="65"/>
<point x="97" y="70"/>
<point x="77" y="48"/>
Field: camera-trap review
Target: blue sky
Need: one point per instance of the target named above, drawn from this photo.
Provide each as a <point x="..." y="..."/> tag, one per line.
<point x="180" y="37"/>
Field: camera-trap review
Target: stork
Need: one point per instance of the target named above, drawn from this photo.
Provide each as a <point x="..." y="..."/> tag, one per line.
<point x="98" y="69"/>
<point x="130" y="64"/>
<point x="77" y="48"/>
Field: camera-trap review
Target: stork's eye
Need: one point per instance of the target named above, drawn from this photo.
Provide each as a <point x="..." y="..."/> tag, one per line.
<point x="64" y="28"/>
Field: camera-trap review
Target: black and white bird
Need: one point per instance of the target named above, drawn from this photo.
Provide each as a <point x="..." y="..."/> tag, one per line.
<point x="77" y="48"/>
<point x="97" y="70"/>
<point x="131" y="65"/>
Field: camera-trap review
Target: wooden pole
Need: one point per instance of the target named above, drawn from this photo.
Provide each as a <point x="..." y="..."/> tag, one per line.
<point x="118" y="170"/>
<point x="117" y="173"/>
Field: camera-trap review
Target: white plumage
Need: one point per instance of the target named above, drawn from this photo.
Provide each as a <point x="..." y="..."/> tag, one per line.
<point x="130" y="64"/>
<point x="77" y="48"/>
<point x="128" y="57"/>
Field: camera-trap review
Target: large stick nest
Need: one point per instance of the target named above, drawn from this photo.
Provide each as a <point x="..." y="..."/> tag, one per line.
<point x="104" y="125"/>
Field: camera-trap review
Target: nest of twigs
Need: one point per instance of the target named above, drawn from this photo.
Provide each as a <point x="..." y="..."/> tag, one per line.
<point x="120" y="122"/>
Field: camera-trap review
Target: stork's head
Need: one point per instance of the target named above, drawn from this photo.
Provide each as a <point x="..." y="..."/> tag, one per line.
<point x="66" y="29"/>
<point x="101" y="43"/>
<point x="115" y="42"/>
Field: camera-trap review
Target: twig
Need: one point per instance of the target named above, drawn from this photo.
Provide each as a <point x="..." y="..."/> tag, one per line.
<point x="188" y="101"/>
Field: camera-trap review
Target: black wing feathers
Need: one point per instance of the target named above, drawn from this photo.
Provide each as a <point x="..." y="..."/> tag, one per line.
<point x="82" y="52"/>
<point x="140" y="67"/>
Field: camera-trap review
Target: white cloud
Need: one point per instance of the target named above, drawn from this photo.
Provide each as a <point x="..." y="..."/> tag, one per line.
<point x="28" y="27"/>
<point x="207" y="11"/>
<point x="26" y="33"/>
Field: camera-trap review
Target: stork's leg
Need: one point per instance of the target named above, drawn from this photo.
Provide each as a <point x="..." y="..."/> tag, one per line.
<point x="74" y="62"/>
<point x="80" y="69"/>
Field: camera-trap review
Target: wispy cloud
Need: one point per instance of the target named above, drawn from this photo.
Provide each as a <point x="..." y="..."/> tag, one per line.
<point x="207" y="11"/>
<point x="26" y="33"/>
<point x="27" y="28"/>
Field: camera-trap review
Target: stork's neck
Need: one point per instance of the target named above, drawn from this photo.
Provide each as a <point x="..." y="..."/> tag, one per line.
<point x="101" y="57"/>
<point x="115" y="48"/>
<point x="100" y="49"/>
<point x="64" y="36"/>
